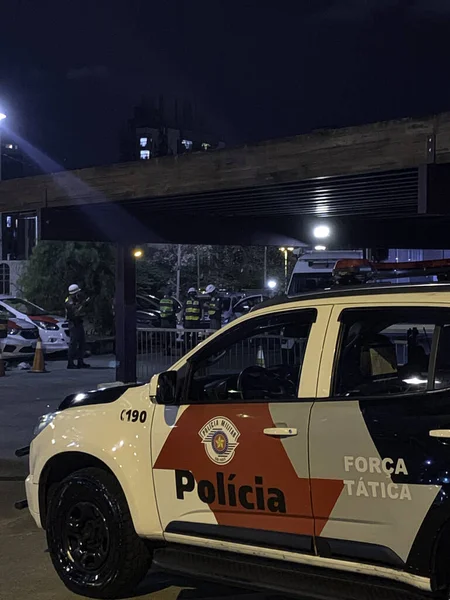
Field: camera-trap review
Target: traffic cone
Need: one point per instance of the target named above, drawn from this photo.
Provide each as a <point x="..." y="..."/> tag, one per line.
<point x="38" y="362"/>
<point x="2" y="364"/>
<point x="260" y="360"/>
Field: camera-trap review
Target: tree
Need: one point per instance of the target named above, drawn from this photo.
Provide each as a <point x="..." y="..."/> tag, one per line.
<point x="229" y="267"/>
<point x="54" y="266"/>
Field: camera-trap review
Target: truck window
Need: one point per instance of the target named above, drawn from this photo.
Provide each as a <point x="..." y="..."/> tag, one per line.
<point x="388" y="351"/>
<point x="262" y="364"/>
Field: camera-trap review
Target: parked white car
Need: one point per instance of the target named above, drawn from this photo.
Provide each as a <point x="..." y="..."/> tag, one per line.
<point x="21" y="339"/>
<point x="53" y="330"/>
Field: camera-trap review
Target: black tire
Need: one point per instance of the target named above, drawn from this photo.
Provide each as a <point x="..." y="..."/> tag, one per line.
<point x="91" y="538"/>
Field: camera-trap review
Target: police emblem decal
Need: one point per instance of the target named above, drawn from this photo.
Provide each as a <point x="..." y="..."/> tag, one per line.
<point x="220" y="439"/>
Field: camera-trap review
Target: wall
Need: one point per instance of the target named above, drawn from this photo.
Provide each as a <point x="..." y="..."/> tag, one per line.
<point x="15" y="271"/>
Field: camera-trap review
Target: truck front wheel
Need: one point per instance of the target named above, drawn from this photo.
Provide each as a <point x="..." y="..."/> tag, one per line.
<point x="91" y="538"/>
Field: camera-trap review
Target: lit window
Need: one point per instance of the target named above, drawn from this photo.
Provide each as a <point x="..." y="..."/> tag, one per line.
<point x="145" y="154"/>
<point x="187" y="144"/>
<point x="143" y="142"/>
<point x="9" y="146"/>
<point x="8" y="222"/>
<point x="5" y="279"/>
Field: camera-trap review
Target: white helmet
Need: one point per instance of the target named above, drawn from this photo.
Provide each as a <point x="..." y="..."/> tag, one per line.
<point x="192" y="290"/>
<point x="74" y="289"/>
<point x="210" y="288"/>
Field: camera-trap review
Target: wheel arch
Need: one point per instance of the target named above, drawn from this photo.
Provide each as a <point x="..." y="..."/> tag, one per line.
<point x="58" y="468"/>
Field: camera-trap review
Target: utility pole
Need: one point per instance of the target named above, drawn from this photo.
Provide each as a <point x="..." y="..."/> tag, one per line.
<point x="265" y="268"/>
<point x="198" y="267"/>
<point x="178" y="272"/>
<point x="285" y="252"/>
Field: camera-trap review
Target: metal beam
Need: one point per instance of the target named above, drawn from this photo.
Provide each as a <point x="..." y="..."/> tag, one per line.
<point x="363" y="149"/>
<point x="125" y="314"/>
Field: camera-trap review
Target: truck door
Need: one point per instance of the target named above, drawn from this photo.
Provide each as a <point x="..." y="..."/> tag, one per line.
<point x="372" y="434"/>
<point x="231" y="460"/>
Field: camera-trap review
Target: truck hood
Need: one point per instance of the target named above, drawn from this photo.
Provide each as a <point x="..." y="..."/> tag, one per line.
<point x="101" y="396"/>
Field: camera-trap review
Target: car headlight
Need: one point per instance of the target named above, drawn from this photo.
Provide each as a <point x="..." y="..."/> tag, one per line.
<point x="43" y="421"/>
<point x="13" y="331"/>
<point x="47" y="326"/>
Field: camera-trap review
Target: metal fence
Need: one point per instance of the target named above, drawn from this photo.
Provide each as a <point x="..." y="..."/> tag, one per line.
<point x="158" y="349"/>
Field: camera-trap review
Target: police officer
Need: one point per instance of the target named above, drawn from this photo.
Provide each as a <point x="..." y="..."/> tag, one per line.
<point x="192" y="314"/>
<point x="214" y="308"/>
<point x="168" y="309"/>
<point x="75" y="308"/>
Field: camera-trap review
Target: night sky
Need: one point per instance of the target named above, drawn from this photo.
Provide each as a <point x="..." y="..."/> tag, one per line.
<point x="72" y="70"/>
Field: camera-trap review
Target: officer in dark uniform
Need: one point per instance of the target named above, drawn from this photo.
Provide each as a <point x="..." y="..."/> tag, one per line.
<point x="75" y="309"/>
<point x="192" y="314"/>
<point x="168" y="309"/>
<point x="214" y="308"/>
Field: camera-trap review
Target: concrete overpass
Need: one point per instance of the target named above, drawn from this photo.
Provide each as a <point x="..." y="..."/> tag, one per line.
<point x="379" y="185"/>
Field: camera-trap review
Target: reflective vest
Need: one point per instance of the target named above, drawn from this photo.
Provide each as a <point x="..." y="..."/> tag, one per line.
<point x="167" y="308"/>
<point x="192" y="311"/>
<point x="214" y="308"/>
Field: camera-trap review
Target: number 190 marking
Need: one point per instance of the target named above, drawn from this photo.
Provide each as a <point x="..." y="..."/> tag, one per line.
<point x="133" y="416"/>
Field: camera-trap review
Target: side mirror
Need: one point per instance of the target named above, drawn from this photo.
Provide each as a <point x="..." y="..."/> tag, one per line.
<point x="166" y="388"/>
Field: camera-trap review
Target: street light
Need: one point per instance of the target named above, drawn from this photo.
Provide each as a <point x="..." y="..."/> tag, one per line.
<point x="2" y="116"/>
<point x="137" y="253"/>
<point x="272" y="284"/>
<point x="286" y="251"/>
<point x="321" y="232"/>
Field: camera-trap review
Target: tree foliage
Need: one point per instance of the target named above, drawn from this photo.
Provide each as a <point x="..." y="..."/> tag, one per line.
<point x="229" y="267"/>
<point x="55" y="265"/>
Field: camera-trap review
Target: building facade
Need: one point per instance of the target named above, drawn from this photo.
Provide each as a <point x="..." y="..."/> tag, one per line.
<point x="164" y="131"/>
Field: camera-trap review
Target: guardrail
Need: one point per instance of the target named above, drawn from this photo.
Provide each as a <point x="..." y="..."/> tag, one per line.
<point x="158" y="349"/>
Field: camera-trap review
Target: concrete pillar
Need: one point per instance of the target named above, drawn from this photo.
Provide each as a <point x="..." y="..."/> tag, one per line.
<point x="125" y="311"/>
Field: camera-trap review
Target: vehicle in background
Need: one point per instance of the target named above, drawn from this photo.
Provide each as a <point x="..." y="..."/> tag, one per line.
<point x="234" y="305"/>
<point x="313" y="270"/>
<point x="53" y="330"/>
<point x="229" y="301"/>
<point x="245" y="305"/>
<point x="21" y="339"/>
<point x="148" y="313"/>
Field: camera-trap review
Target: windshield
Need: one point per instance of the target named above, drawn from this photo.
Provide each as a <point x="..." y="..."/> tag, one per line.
<point x="28" y="308"/>
<point x="307" y="282"/>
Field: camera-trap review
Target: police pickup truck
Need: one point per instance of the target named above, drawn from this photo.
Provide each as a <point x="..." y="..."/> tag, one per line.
<point x="304" y="445"/>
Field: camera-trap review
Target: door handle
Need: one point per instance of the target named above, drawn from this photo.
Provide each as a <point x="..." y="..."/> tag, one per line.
<point x="280" y="431"/>
<point x="440" y="433"/>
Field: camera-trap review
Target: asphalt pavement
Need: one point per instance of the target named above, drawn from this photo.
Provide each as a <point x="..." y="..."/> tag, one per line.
<point x="26" y="571"/>
<point x="24" y="396"/>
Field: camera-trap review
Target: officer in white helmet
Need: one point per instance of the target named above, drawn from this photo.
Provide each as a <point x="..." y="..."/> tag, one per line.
<point x="75" y="306"/>
<point x="214" y="307"/>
